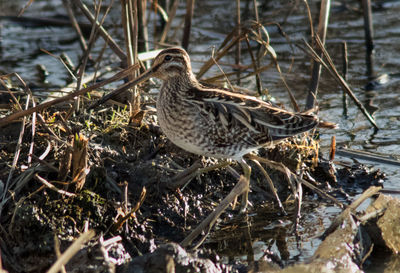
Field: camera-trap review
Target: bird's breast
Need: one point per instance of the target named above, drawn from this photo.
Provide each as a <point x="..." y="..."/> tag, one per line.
<point x="175" y="117"/>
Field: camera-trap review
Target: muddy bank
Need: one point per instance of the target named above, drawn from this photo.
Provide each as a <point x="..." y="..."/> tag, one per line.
<point x="130" y="200"/>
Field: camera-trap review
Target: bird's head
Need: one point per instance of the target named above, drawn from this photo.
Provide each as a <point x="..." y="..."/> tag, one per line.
<point x="171" y="63"/>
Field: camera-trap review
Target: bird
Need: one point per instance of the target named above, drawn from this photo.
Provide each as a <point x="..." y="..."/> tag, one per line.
<point x="215" y="122"/>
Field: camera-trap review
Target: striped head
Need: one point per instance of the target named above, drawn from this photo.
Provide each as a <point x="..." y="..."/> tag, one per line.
<point x="171" y="63"/>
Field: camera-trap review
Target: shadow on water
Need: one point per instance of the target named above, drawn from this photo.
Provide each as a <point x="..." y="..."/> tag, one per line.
<point x="258" y="236"/>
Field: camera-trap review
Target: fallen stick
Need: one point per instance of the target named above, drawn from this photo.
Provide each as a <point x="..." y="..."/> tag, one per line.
<point x="207" y="223"/>
<point x="71" y="251"/>
<point x="376" y="158"/>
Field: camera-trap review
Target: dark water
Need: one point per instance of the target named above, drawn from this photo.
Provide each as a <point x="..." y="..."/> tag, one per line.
<point x="20" y="52"/>
<point x="344" y="25"/>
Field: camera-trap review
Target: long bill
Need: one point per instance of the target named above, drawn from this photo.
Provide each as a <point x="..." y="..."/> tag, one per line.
<point x="145" y="76"/>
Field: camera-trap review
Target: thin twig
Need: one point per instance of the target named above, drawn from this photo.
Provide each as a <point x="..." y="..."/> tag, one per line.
<point x="255" y="66"/>
<point x="64" y="63"/>
<point x="251" y="74"/>
<point x="18" y="205"/>
<point x="344" y="84"/>
<point x="52" y="187"/>
<point x="58" y="252"/>
<point x="220" y="53"/>
<point x="206" y="225"/>
<point x="71" y="251"/>
<point x="257" y="60"/>
<point x="17" y="152"/>
<point x="268" y="48"/>
<point x="25" y="7"/>
<point x="86" y="54"/>
<point x="222" y="71"/>
<point x="285" y="170"/>
<point x="29" y="92"/>
<point x="16" y="101"/>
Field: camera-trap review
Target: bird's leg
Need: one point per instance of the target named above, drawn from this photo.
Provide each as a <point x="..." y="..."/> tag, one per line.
<point x="187" y="175"/>
<point x="241" y="187"/>
<point x="245" y="196"/>
<point x="278" y="166"/>
<point x="271" y="185"/>
<point x="291" y="179"/>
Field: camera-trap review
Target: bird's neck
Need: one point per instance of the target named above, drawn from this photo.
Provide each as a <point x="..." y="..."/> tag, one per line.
<point x="179" y="85"/>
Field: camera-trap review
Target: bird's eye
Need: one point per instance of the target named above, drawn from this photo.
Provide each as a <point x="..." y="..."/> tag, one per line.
<point x="167" y="58"/>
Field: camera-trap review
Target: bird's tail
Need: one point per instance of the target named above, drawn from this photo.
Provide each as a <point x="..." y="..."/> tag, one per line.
<point x="321" y="123"/>
<point x="327" y="125"/>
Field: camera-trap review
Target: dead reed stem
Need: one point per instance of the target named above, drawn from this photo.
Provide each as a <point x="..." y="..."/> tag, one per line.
<point x="188" y="23"/>
<point x="25" y="7"/>
<point x="257" y="60"/>
<point x="345" y="65"/>
<point x="270" y="185"/>
<point x="238" y="46"/>
<point x="334" y="73"/>
<point x="58" y="252"/>
<point x="75" y="24"/>
<point x="316" y="70"/>
<point x="130" y="20"/>
<point x="171" y="16"/>
<point x="369" y="39"/>
<point x="369" y="156"/>
<point x="143" y="34"/>
<point x="219" y="54"/>
<point x="86" y="55"/>
<point x="109" y="40"/>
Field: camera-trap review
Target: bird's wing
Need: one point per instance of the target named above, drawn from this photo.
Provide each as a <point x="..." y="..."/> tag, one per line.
<point x="258" y="116"/>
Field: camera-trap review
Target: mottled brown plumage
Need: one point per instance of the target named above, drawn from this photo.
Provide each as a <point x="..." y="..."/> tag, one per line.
<point x="215" y="122"/>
